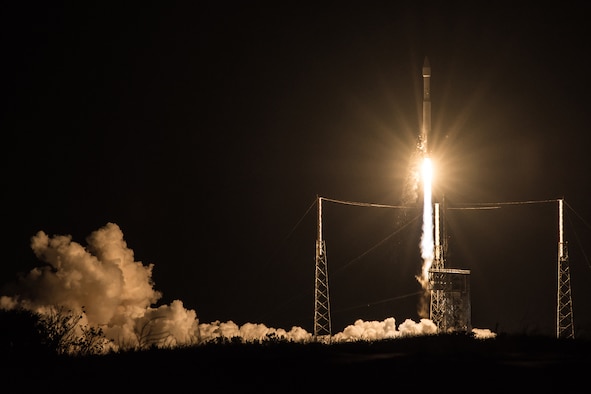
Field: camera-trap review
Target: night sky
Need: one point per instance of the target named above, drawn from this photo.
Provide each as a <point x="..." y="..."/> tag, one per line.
<point x="206" y="132"/>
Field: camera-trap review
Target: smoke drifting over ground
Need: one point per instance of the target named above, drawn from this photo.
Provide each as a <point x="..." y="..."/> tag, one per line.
<point x="117" y="295"/>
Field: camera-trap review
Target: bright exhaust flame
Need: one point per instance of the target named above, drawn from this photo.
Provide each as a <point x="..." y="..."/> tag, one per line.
<point x="427" y="243"/>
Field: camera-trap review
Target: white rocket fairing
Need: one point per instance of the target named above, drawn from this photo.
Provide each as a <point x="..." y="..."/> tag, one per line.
<point x="426" y="126"/>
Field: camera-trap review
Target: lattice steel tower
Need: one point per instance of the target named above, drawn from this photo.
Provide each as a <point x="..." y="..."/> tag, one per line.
<point x="322" y="324"/>
<point x="564" y="314"/>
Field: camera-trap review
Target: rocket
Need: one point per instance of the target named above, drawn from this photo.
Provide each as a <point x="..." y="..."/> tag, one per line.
<point x="426" y="126"/>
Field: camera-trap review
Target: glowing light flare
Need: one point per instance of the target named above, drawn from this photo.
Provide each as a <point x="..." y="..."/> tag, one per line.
<point x="427" y="243"/>
<point x="427" y="172"/>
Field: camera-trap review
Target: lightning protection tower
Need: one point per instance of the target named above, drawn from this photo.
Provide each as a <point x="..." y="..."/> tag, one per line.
<point x="564" y="315"/>
<point x="322" y="324"/>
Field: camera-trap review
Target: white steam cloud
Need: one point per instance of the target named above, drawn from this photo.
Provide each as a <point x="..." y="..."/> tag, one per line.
<point x="117" y="295"/>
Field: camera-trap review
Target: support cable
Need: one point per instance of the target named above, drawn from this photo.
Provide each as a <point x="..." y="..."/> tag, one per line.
<point x="365" y="204"/>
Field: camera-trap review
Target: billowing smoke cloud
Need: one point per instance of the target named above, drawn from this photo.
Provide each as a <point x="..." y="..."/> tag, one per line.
<point x="103" y="279"/>
<point x="250" y="332"/>
<point x="117" y="295"/>
<point x="375" y="330"/>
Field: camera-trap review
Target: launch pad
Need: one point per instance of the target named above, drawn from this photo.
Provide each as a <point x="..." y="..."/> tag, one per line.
<point x="448" y="289"/>
<point x="450" y="299"/>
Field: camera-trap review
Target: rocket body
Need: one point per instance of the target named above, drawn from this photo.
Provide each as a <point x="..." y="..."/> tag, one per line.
<point x="426" y="125"/>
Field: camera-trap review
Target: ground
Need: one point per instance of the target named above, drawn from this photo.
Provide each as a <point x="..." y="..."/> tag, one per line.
<point x="457" y="362"/>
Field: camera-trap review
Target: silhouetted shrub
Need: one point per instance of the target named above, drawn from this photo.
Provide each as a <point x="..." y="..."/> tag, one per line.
<point x="57" y="332"/>
<point x="63" y="333"/>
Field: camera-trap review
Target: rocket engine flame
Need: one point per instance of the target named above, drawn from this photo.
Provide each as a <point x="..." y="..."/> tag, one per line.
<point x="427" y="243"/>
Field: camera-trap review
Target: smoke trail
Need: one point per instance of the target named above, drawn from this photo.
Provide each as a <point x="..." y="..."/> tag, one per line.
<point x="427" y="243"/>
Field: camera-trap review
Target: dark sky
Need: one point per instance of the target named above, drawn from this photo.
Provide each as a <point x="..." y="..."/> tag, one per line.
<point x="206" y="131"/>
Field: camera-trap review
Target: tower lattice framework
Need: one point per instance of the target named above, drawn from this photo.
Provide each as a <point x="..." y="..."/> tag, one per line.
<point x="564" y="314"/>
<point x="322" y="323"/>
